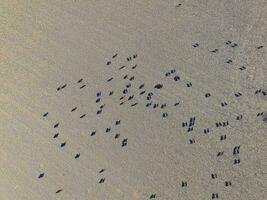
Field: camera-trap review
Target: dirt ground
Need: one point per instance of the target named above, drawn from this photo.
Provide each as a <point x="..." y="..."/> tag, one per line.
<point x="129" y="100"/>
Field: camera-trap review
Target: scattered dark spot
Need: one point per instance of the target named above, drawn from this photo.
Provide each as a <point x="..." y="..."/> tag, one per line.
<point x="109" y="79"/>
<point x="82" y="86"/>
<point x="257" y="91"/>
<point x="189" y="84"/>
<point x="56" y="125"/>
<point x="224" y="104"/>
<point x="93" y="133"/>
<point x="223" y="137"/>
<point x="121" y="67"/>
<point x="207" y="130"/>
<point x="158" y="86"/>
<point x="264" y="117"/>
<point x="220" y="153"/>
<point x="207" y="95"/>
<point x="214" y="196"/>
<point x="141" y="93"/>
<point x="124" y="142"/>
<point x="190" y="129"/>
<point x="41" y="175"/>
<point x="126" y="76"/>
<point x="176" y="78"/>
<point x="213" y="176"/>
<point x="259" y="114"/>
<point x="239" y="117"/>
<point x="82" y="116"/>
<point x="227" y="183"/>
<point x="98" y="94"/>
<point x="214" y="51"/>
<point x="176" y="104"/>
<point x="195" y="45"/>
<point x="238" y="94"/>
<point x="236" y="161"/>
<point x="167" y="74"/>
<point x="77" y="156"/>
<point x="184" y="184"/>
<point x="102" y="180"/>
<point x="63" y="144"/>
<point x="242" y="68"/>
<point x="133" y="67"/>
<point x="234" y="45"/>
<point x="184" y="124"/>
<point x="117" y="136"/>
<point x="118" y="122"/>
<point x="130" y="97"/>
<point x="132" y="78"/>
<point x="132" y="105"/>
<point x="148" y="104"/>
<point x="164" y="115"/>
<point x="125" y="91"/>
<point x="63" y="86"/>
<point x="191" y="141"/>
<point x="58" y="191"/>
<point x="141" y="86"/>
<point x="155" y="105"/>
<point x="73" y="109"/>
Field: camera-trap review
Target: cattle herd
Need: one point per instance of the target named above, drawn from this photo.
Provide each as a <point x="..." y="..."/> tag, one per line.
<point x="133" y="92"/>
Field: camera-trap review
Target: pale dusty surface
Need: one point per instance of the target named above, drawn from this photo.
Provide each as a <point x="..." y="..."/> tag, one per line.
<point x="45" y="44"/>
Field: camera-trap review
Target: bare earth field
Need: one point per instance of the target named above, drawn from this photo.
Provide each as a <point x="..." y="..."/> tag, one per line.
<point x="133" y="99"/>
